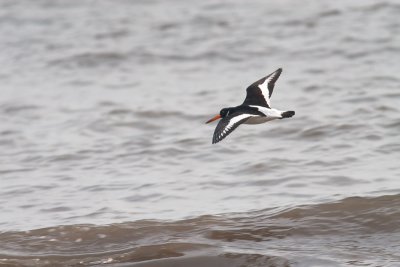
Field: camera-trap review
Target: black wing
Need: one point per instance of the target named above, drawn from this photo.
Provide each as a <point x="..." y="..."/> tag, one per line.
<point x="260" y="91"/>
<point x="228" y="124"/>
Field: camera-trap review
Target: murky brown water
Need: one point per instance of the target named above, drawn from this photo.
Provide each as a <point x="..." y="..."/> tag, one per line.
<point x="105" y="157"/>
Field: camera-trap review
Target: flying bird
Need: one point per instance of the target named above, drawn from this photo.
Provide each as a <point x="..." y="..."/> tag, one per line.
<point x="255" y="109"/>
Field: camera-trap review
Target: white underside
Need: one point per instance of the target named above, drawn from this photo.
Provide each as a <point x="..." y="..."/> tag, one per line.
<point x="258" y="120"/>
<point x="270" y="114"/>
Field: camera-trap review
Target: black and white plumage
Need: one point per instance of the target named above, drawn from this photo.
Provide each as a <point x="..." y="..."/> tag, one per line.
<point x="255" y="109"/>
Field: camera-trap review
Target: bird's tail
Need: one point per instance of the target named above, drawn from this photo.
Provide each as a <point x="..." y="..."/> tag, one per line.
<point x="287" y="114"/>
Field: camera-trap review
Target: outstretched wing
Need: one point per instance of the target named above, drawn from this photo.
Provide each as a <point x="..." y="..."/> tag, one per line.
<point x="228" y="124"/>
<point x="259" y="93"/>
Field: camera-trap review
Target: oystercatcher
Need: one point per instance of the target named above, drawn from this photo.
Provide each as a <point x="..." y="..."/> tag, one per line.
<point x="255" y="109"/>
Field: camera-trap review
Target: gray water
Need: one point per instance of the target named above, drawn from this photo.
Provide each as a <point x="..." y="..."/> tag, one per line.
<point x="102" y="111"/>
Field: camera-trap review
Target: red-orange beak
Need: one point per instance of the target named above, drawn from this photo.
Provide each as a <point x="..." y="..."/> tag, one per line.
<point x="215" y="118"/>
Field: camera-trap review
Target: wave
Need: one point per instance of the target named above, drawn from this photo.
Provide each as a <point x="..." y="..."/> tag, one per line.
<point x="257" y="238"/>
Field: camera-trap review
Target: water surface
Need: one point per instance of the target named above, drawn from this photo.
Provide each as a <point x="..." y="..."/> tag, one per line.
<point x="105" y="157"/>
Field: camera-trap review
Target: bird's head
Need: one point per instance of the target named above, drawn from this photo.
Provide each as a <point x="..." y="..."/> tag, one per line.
<point x="222" y="114"/>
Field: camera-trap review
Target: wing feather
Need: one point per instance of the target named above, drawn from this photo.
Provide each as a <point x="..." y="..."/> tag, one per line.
<point x="228" y="124"/>
<point x="259" y="93"/>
